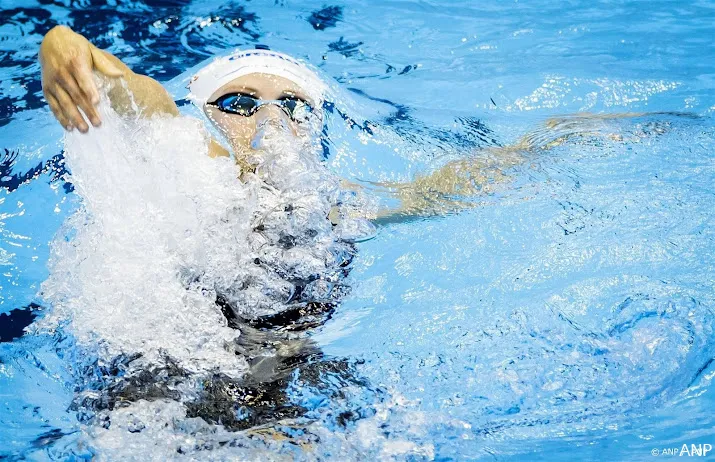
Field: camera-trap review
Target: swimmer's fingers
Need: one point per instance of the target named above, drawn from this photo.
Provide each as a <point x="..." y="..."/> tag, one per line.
<point x="57" y="111"/>
<point x="69" y="108"/>
<point x="69" y="84"/>
<point x="85" y="80"/>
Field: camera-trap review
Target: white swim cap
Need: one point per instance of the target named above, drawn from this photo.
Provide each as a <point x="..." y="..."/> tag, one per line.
<point x="242" y="62"/>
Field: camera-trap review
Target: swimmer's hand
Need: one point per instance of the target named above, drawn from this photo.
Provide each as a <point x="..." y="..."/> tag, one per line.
<point x="67" y="61"/>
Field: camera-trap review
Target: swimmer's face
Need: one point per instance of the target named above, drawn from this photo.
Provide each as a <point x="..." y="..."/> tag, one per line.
<point x="240" y="130"/>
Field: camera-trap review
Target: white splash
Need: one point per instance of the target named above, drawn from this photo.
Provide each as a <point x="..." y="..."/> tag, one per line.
<point x="155" y="209"/>
<point x="162" y="232"/>
<point x="163" y="229"/>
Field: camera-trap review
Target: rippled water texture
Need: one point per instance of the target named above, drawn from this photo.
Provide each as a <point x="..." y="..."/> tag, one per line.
<point x="562" y="307"/>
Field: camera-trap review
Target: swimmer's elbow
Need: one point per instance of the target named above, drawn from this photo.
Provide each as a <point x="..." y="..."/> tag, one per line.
<point x="160" y="101"/>
<point x="154" y="97"/>
<point x="144" y="93"/>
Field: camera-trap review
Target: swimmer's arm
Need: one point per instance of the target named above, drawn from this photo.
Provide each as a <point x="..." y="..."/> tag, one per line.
<point x="148" y="95"/>
<point x="455" y="186"/>
<point x="68" y="60"/>
<point x="451" y="189"/>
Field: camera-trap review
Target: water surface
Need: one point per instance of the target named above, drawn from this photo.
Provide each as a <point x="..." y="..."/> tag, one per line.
<point x="569" y="313"/>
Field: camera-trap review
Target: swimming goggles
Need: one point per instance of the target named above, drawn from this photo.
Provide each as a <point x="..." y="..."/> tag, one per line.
<point x="245" y="105"/>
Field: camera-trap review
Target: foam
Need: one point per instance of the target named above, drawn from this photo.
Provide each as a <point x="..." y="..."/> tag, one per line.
<point x="161" y="233"/>
<point x="163" y="230"/>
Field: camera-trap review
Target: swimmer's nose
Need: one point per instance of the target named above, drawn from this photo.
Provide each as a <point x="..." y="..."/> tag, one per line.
<point x="272" y="115"/>
<point x="269" y="119"/>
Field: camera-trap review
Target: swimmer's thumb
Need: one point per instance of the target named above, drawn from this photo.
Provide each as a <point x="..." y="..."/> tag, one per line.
<point x="103" y="64"/>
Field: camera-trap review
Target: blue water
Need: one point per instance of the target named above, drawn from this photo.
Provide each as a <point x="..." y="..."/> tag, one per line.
<point x="569" y="315"/>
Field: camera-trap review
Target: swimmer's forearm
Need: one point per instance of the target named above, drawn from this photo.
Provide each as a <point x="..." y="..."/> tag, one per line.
<point x="450" y="189"/>
<point x="454" y="186"/>
<point x="146" y="93"/>
<point x="149" y="95"/>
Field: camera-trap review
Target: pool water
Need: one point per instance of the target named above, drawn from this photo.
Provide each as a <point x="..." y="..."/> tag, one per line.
<point x="566" y="313"/>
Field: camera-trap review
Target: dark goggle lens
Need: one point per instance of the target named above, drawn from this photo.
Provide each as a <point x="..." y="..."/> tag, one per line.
<point x="237" y="104"/>
<point x="290" y="105"/>
<point x="296" y="108"/>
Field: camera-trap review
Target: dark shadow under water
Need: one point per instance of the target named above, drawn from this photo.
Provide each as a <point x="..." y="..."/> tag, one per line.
<point x="279" y="354"/>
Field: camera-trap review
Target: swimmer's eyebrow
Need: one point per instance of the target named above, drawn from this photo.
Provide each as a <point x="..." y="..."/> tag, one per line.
<point x="241" y="89"/>
<point x="247" y="90"/>
<point x="292" y="94"/>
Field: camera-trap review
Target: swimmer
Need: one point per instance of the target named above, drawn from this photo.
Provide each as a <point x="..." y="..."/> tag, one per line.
<point x="247" y="96"/>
